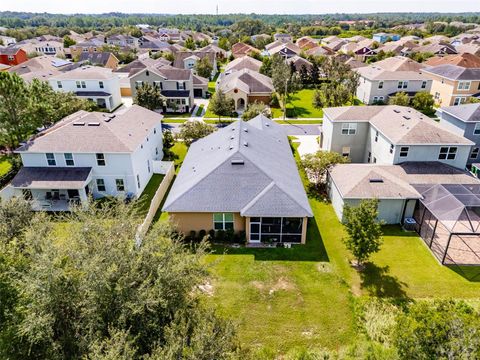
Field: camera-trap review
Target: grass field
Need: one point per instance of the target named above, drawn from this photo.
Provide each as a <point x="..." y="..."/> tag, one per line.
<point x="303" y="104"/>
<point x="5" y="165"/>
<point x="147" y="195"/>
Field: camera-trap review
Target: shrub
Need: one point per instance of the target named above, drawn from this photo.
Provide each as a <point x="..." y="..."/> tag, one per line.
<point x="290" y="109"/>
<point x="211" y="234"/>
<point x="274" y="102"/>
<point x="229" y="235"/>
<point x="193" y="235"/>
<point x="201" y="234"/>
<point x="220" y="236"/>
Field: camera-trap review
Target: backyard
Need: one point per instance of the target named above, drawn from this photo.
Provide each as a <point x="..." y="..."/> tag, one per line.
<point x="305" y="296"/>
<point x="302" y="101"/>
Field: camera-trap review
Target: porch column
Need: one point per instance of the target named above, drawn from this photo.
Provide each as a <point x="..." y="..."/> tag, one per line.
<point x="247" y="229"/>
<point x="83" y="196"/>
<point x="304" y="230"/>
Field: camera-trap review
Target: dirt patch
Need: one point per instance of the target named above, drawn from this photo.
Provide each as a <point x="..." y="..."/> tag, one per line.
<point x="324" y="268"/>
<point x="206" y="288"/>
<point x="282" y="284"/>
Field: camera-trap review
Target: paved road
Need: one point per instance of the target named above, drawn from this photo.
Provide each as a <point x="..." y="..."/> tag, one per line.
<point x="289" y="129"/>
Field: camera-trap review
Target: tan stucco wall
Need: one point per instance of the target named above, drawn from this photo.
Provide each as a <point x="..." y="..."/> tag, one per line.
<point x="448" y="90"/>
<point x="186" y="222"/>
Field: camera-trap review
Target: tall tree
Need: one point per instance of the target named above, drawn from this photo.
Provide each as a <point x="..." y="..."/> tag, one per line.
<point x="68" y="41"/>
<point x="255" y="109"/>
<point x="284" y="81"/>
<point x="363" y="229"/>
<point x="204" y="67"/>
<point x="194" y="130"/>
<point x="317" y="165"/>
<point x="190" y="44"/>
<point x="423" y="102"/>
<point x="149" y="97"/>
<point x="221" y="104"/>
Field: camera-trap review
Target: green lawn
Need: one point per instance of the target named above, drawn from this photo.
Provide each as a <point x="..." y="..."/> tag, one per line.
<point x="199" y="110"/>
<point x="147" y="195"/>
<point x="212" y="83"/>
<point x="173" y="121"/>
<point x="303" y="104"/>
<point x="5" y="165"/>
<point x="176" y="115"/>
<point x="179" y="150"/>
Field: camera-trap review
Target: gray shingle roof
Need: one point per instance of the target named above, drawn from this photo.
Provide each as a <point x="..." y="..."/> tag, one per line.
<point x="248" y="81"/>
<point x="465" y="112"/>
<point x="266" y="184"/>
<point x="96" y="58"/>
<point x="123" y="133"/>
<point x="454" y="72"/>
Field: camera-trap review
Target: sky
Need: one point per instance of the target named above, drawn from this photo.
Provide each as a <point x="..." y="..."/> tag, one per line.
<point x="239" y="6"/>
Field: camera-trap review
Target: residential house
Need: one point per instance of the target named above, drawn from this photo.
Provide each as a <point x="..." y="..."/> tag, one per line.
<point x="436" y="49"/>
<point x="241" y="49"/>
<point x="336" y="45"/>
<point x="90" y="154"/>
<point x="94" y="83"/>
<point x="453" y="85"/>
<point x="356" y="38"/>
<point x="320" y="51"/>
<point x="263" y="37"/>
<point x="12" y="55"/>
<point x="282" y="37"/>
<point x="298" y="63"/>
<point x="105" y="59"/>
<point x="400" y="189"/>
<point x="306" y="43"/>
<point x="384" y="37"/>
<point x="241" y="178"/>
<point x="246" y="86"/>
<point x="464" y="120"/>
<point x="354" y="63"/>
<point x="329" y="39"/>
<point x="219" y="52"/>
<point x="284" y="49"/>
<point x="465" y="60"/>
<point x="244" y="62"/>
<point x="390" y="135"/>
<point x="388" y="77"/>
<point x="176" y="85"/>
<point x="200" y="86"/>
<point x="464" y="39"/>
<point x="45" y="47"/>
<point x="90" y="46"/>
<point x="7" y="40"/>
<point x="123" y="41"/>
<point x="361" y="50"/>
<point x="42" y="68"/>
<point x="189" y="59"/>
<point x="471" y="48"/>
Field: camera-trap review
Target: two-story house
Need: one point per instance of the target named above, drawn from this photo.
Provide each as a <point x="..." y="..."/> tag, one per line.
<point x="97" y="84"/>
<point x="463" y="120"/>
<point x="189" y="59"/>
<point x="388" y="77"/>
<point x="123" y="41"/>
<point x="453" y="85"/>
<point x="176" y="85"/>
<point x="391" y="135"/>
<point x="91" y="46"/>
<point x="12" y="55"/>
<point x="89" y="154"/>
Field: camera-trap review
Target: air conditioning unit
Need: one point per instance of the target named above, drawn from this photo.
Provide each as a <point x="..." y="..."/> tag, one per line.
<point x="409" y="224"/>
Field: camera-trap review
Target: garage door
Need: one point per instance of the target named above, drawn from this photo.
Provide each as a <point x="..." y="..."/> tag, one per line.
<point x="197" y="92"/>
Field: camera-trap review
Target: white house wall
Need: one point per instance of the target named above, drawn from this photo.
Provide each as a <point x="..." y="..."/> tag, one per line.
<point x="368" y="89"/>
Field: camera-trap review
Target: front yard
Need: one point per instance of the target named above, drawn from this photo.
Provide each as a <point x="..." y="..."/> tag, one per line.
<point x="302" y="102"/>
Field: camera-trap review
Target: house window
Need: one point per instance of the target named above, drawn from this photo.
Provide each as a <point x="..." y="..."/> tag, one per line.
<point x="223" y="221"/>
<point x="374" y="160"/>
<point x="138" y="181"/>
<point x="100" y="84"/>
<point x="346" y="151"/>
<point x="459" y="101"/>
<point x="69" y="159"/>
<point x="147" y="73"/>
<point x="156" y="151"/>
<point x="138" y="84"/>
<point x="148" y="166"/>
<point x="59" y="84"/>
<point x="78" y="84"/>
<point x="83" y="85"/>
<point x="402" y="84"/>
<point x="380" y="85"/>
<point x="85" y="49"/>
<point x="349" y="128"/>
<point x="437" y="95"/>
<point x="447" y="153"/>
<point x="11" y="57"/>
<point x="474" y="153"/>
<point x="180" y="86"/>
<point x="404" y="151"/>
<point x="376" y="136"/>
<point x="154" y="130"/>
<point x="464" y="85"/>
<point x="51" y="159"/>
<point x="158" y="84"/>
<point x="120" y="184"/>
<point x="391" y="148"/>
<point x="476" y="130"/>
<point x="100" y="159"/>
<point x="424" y="84"/>
<point x="369" y="157"/>
<point x="101" y="185"/>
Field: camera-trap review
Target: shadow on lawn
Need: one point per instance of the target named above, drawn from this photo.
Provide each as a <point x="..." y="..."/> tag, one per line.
<point x="313" y="250"/>
<point x="470" y="273"/>
<point x="378" y="282"/>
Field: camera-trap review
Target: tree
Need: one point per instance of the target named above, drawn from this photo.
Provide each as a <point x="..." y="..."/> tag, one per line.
<point x="221" y="105"/>
<point x="149" y="97"/>
<point x="68" y="41"/>
<point x="400" y="99"/>
<point x="363" y="229"/>
<point x="190" y="44"/>
<point x="317" y="165"/>
<point x="304" y="76"/>
<point x="204" y="68"/>
<point x="255" y="109"/>
<point x="168" y="142"/>
<point x="423" y="102"/>
<point x="314" y="74"/>
<point x="443" y="329"/>
<point x="283" y="80"/>
<point x="266" y="68"/>
<point x="224" y="44"/>
<point x="97" y="293"/>
<point x="194" y="130"/>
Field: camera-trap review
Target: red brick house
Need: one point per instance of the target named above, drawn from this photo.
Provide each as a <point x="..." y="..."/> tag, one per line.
<point x="12" y="56"/>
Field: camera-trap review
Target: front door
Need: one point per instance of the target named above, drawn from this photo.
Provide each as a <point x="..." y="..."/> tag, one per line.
<point x="73" y="194"/>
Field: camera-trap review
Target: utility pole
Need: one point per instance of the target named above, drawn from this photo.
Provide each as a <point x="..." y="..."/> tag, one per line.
<point x="217" y="9"/>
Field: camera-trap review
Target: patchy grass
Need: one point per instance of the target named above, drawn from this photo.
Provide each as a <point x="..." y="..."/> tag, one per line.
<point x="5" y="165"/>
<point x="222" y="121"/>
<point x="148" y="194"/>
<point x="173" y="121"/>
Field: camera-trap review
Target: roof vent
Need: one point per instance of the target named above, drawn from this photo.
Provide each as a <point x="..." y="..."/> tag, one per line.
<point x="238" y="162"/>
<point x="78" y="124"/>
<point x="376" y="180"/>
<point x="406" y="117"/>
<point x="94" y="124"/>
<point x="397" y="111"/>
<point x="267" y="124"/>
<point x="246" y="130"/>
<point x="232" y="137"/>
<point x="245" y="144"/>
